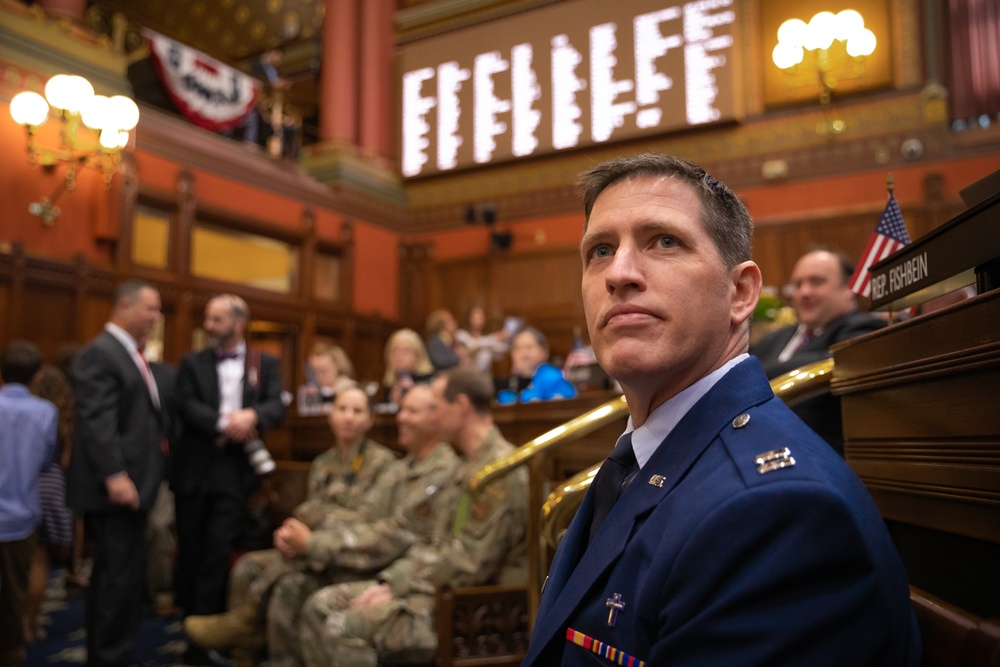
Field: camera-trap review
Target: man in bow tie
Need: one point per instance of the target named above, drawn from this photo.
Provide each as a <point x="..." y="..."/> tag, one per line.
<point x="227" y="396"/>
<point x="722" y="531"/>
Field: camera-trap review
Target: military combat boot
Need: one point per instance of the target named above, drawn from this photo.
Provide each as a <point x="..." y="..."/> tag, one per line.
<point x="238" y="628"/>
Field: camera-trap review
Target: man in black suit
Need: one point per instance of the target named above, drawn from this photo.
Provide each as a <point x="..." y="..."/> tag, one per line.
<point x="118" y="461"/>
<point x="227" y="396"/>
<point x="828" y="313"/>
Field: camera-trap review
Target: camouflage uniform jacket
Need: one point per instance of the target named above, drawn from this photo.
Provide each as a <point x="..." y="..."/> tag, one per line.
<point x="335" y="484"/>
<point x="366" y="541"/>
<point x="478" y="538"/>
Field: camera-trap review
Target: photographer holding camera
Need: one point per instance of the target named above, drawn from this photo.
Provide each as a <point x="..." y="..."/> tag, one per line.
<point x="227" y="395"/>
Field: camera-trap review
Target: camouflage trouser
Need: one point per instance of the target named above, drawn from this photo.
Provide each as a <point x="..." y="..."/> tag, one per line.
<point x="283" y="614"/>
<point x="401" y="630"/>
<point x="255" y="574"/>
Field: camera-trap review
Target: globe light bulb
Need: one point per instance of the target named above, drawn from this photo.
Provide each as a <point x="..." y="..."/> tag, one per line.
<point x="29" y="108"/>
<point x="124" y="112"/>
<point x="820" y="33"/>
<point x="113" y="139"/>
<point x="785" y="55"/>
<point x="792" y="32"/>
<point x="862" y="44"/>
<point x="97" y="114"/>
<point x="848" y="23"/>
<point x="69" y="93"/>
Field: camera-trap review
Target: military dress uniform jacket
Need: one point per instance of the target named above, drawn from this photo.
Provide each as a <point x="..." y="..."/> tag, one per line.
<point x="394" y="517"/>
<point x="711" y="558"/>
<point x="478" y="538"/>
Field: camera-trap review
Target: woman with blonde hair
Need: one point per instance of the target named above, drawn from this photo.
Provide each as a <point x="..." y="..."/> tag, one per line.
<point x="330" y="372"/>
<point x="406" y="363"/>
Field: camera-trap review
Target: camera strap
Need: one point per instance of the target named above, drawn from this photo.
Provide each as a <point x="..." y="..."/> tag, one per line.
<point x="252" y="375"/>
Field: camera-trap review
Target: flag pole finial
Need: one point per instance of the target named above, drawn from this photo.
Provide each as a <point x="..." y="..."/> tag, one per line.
<point x="889" y="182"/>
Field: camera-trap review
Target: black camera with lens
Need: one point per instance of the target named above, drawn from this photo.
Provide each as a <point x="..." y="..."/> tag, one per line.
<point x="259" y="458"/>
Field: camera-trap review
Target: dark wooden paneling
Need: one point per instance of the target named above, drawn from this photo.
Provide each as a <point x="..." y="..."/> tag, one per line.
<point x="51" y="325"/>
<point x="921" y="430"/>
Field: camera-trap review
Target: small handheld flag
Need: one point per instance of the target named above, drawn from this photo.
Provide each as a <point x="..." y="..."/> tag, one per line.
<point x="889" y="236"/>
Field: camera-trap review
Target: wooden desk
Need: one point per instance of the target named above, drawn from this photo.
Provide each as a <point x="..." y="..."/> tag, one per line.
<point x="922" y="430"/>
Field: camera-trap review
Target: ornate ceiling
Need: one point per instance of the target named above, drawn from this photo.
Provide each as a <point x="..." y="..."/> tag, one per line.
<point x="230" y="30"/>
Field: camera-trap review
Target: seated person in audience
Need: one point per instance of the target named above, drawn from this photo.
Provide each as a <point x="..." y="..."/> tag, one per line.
<point x="483" y="348"/>
<point x="330" y="372"/>
<point x="345" y="548"/>
<point x="347" y="476"/>
<point x="406" y="364"/>
<point x="827" y="311"/>
<point x="441" y="328"/>
<point x="477" y="539"/>
<point x="532" y="378"/>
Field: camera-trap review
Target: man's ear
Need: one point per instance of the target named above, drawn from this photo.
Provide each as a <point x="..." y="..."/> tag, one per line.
<point x="746" y="281"/>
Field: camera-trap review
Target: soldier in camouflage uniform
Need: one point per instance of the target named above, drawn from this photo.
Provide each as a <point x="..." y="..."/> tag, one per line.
<point x="341" y="550"/>
<point x="478" y="539"/>
<point x="345" y="478"/>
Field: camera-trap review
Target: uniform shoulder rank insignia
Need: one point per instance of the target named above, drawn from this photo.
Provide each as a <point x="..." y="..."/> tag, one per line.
<point x="776" y="459"/>
<point x="606" y="651"/>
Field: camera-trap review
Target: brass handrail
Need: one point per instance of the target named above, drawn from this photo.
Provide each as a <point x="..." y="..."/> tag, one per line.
<point x="530" y="454"/>
<point x="572" y="430"/>
<point x="561" y="505"/>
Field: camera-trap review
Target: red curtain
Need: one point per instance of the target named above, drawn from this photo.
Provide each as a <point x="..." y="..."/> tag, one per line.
<point x="975" y="58"/>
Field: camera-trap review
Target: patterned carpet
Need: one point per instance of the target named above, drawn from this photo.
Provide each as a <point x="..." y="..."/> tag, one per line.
<point x="161" y="641"/>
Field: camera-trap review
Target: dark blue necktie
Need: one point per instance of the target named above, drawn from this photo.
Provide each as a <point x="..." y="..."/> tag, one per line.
<point x="222" y="355"/>
<point x="615" y="474"/>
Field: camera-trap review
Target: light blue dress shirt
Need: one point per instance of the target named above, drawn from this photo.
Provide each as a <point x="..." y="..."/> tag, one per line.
<point x="27" y="445"/>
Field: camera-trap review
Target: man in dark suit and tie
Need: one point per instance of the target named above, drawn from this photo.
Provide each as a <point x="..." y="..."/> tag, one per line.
<point x="731" y="533"/>
<point x="227" y="396"/>
<point x="827" y="311"/>
<point x="118" y="461"/>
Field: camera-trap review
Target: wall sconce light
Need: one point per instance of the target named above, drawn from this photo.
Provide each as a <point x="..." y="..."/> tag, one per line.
<point x="795" y="37"/>
<point x="73" y="101"/>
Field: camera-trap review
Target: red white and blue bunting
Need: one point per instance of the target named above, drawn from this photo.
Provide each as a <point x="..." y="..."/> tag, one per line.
<point x="209" y="93"/>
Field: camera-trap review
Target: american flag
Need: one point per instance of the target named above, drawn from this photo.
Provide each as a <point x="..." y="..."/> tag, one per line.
<point x="889" y="236"/>
<point x="580" y="355"/>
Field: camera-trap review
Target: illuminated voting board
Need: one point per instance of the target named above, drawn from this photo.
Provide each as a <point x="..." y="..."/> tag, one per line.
<point x="570" y="75"/>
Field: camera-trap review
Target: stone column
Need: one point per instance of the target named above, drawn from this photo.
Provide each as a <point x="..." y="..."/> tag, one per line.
<point x="376" y="68"/>
<point x="339" y="101"/>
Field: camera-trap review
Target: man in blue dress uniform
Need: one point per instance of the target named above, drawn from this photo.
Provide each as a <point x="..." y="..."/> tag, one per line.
<point x="721" y="531"/>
